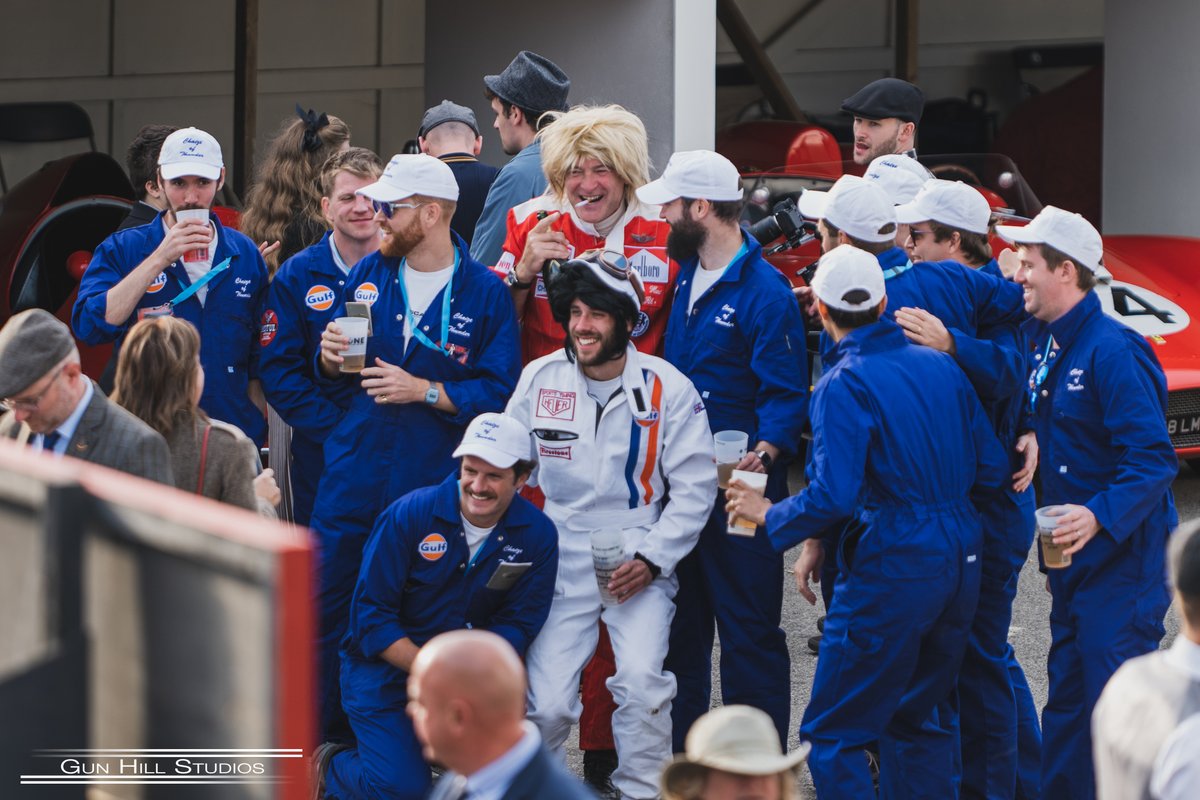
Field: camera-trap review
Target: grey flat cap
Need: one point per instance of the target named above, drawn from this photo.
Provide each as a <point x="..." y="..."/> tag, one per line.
<point x="31" y="343"/>
<point x="887" y="97"/>
<point x="447" y="111"/>
<point x="533" y="82"/>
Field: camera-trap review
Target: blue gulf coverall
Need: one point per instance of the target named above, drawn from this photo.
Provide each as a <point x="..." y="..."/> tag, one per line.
<point x="743" y="347"/>
<point x="381" y="451"/>
<point x="418" y="579"/>
<point x="982" y="310"/>
<point x="1099" y="414"/>
<point x="227" y="322"/>
<point x="899" y="440"/>
<point x="303" y="298"/>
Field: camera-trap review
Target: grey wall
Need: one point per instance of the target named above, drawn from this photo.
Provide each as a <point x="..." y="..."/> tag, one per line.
<point x="128" y="63"/>
<point x="617" y="51"/>
<point x="1151" y="75"/>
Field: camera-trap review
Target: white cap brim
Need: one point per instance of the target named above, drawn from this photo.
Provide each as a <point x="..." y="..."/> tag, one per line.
<point x="488" y="452"/>
<point x="812" y="203"/>
<point x="384" y="192"/>
<point x="182" y="169"/>
<point x="1020" y="234"/>
<point x="909" y="214"/>
<point x="657" y="193"/>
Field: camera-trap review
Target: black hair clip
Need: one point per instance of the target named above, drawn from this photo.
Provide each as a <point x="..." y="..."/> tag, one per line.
<point x="313" y="123"/>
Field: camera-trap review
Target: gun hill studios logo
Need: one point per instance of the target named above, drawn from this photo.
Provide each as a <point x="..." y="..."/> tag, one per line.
<point x="162" y="767"/>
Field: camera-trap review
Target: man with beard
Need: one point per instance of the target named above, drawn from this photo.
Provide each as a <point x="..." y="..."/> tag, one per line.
<point x="443" y="349"/>
<point x="191" y="268"/>
<point x="300" y="303"/>
<point x="614" y="427"/>
<point x="886" y="113"/>
<point x="737" y="333"/>
<point x="468" y="553"/>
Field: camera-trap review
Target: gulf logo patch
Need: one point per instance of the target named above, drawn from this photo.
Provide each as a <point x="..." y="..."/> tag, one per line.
<point x="319" y="298"/>
<point x="157" y="284"/>
<point x="432" y="547"/>
<point x="366" y="293"/>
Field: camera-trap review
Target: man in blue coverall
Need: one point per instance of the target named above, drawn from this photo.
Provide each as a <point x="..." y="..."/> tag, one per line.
<point x="899" y="440"/>
<point x="302" y="300"/>
<point x="736" y="332"/>
<point x="444" y="348"/>
<point x="1096" y="404"/>
<point x="198" y="270"/>
<point x="467" y="553"/>
<point x="1000" y="729"/>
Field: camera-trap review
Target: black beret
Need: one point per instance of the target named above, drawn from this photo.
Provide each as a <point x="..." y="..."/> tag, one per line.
<point x="31" y="343"/>
<point x="887" y="97"/>
<point x="533" y="82"/>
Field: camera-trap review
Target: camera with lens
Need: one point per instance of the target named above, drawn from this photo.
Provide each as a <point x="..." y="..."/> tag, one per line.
<point x="783" y="221"/>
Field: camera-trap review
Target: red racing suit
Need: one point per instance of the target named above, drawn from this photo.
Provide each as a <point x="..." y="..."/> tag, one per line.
<point x="640" y="235"/>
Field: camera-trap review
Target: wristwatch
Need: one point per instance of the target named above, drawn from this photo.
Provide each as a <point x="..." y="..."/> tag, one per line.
<point x="432" y="395"/>
<point x="513" y="281"/>
<point x="764" y="457"/>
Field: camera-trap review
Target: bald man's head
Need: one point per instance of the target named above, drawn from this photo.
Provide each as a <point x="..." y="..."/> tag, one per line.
<point x="466" y="697"/>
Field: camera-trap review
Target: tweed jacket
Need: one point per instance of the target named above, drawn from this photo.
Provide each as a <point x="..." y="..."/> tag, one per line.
<point x="110" y="436"/>
<point x="230" y="464"/>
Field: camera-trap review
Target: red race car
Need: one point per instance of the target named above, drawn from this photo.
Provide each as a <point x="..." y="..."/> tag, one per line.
<point x="1151" y="290"/>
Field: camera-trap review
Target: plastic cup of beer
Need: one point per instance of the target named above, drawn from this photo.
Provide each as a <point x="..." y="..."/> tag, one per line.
<point x="608" y="553"/>
<point x="194" y="215"/>
<point x="1052" y="554"/>
<point x="757" y="482"/>
<point x="354" y="357"/>
<point x="730" y="448"/>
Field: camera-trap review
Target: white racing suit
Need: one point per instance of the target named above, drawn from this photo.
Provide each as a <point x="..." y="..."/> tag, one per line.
<point x="613" y="473"/>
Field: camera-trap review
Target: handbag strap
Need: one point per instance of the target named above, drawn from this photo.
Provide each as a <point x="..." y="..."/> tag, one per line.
<point x="203" y="459"/>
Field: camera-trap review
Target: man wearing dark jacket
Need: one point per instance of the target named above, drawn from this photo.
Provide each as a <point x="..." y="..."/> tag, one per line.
<point x="449" y="132"/>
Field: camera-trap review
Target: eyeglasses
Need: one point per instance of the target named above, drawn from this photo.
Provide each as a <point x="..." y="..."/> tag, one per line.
<point x="917" y="234"/>
<point x="388" y="209"/>
<point x="31" y="404"/>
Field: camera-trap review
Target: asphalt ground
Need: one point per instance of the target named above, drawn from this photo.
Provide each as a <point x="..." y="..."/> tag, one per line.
<point x="1029" y="633"/>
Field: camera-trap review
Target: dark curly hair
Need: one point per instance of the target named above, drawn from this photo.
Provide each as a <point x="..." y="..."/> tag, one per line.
<point x="576" y="281"/>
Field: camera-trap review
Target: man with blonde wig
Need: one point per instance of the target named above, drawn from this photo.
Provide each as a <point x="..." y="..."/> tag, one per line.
<point x="594" y="157"/>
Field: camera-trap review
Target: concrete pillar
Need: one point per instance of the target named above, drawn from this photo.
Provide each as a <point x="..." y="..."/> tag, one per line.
<point x="1151" y="71"/>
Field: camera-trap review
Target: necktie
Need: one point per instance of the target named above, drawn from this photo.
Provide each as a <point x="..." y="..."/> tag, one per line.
<point x="50" y="441"/>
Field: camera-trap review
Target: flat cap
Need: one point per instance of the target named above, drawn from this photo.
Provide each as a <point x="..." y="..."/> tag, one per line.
<point x="887" y="97"/>
<point x="447" y="111"/>
<point x="31" y="343"/>
<point x="533" y="82"/>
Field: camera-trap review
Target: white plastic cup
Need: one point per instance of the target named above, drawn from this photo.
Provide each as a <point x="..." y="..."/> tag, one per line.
<point x="1047" y="521"/>
<point x="756" y="481"/>
<point x="608" y="553"/>
<point x="730" y="448"/>
<point x="355" y="329"/>
<point x="194" y="215"/>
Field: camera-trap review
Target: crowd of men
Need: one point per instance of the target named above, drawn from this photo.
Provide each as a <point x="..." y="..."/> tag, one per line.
<point x="550" y="352"/>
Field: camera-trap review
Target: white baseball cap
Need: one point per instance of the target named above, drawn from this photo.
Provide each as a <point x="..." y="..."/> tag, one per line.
<point x="695" y="174"/>
<point x="844" y="269"/>
<point x="950" y="203"/>
<point x="855" y="205"/>
<point x="498" y="439"/>
<point x="407" y="175"/>
<point x="900" y="176"/>
<point x="190" y="151"/>
<point x="1066" y="232"/>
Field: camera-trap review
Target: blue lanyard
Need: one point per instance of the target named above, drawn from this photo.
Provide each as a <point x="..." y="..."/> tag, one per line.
<point x="1040" y="373"/>
<point x="478" y="550"/>
<point x="408" y="316"/>
<point x="201" y="281"/>
<point x="888" y="274"/>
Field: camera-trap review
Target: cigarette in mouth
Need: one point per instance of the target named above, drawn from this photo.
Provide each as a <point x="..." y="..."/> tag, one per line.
<point x="582" y="203"/>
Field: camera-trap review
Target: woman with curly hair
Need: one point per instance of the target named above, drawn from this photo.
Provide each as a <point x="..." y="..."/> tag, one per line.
<point x="159" y="380"/>
<point x="284" y="204"/>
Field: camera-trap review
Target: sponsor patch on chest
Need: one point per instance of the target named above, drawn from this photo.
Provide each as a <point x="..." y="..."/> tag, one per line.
<point x="366" y="292"/>
<point x="268" y="327"/>
<point x="652" y="268"/>
<point x="157" y="284"/>
<point x="319" y="298"/>
<point x="546" y="451"/>
<point x="432" y="547"/>
<point x="555" y="404"/>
